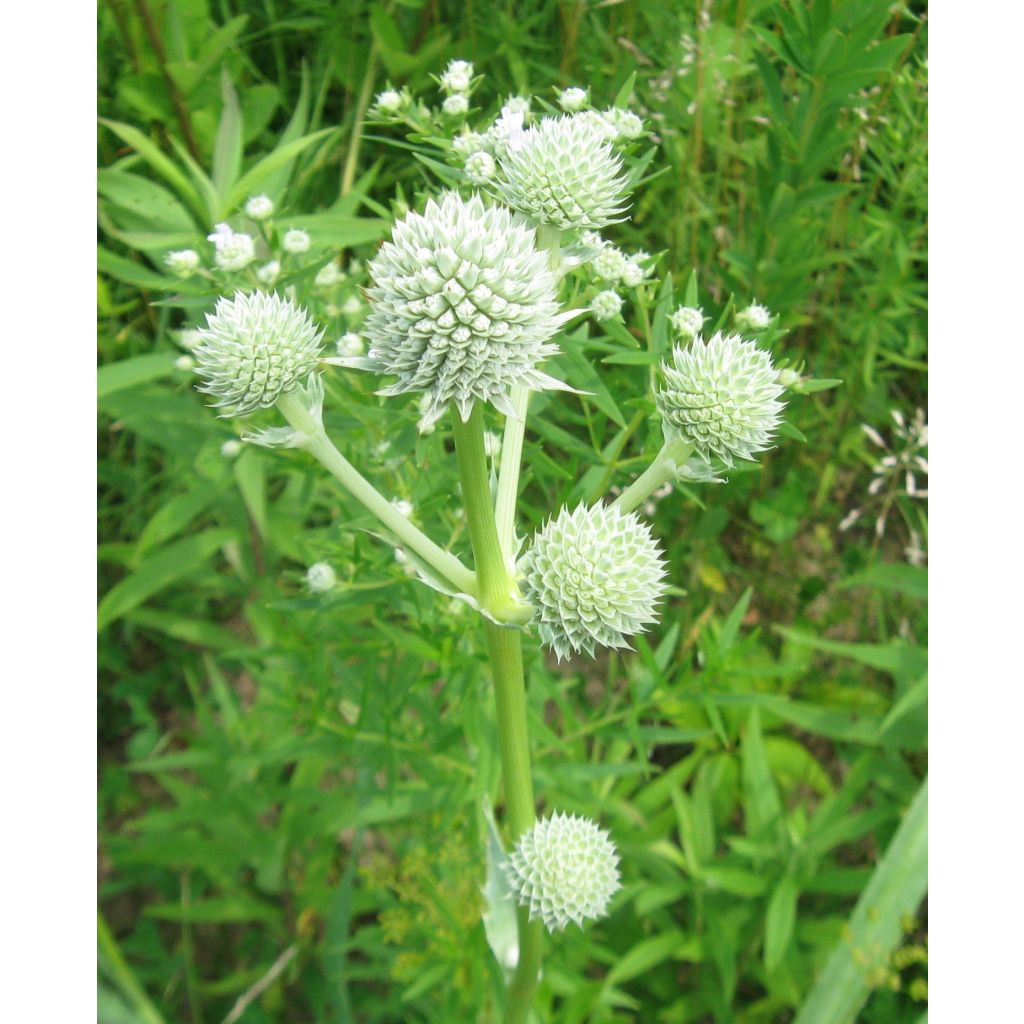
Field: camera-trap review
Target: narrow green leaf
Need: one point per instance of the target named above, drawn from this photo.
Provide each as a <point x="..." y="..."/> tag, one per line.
<point x="779" y="922"/>
<point x="227" y="147"/>
<point x="254" y="178"/>
<point x="128" y="373"/>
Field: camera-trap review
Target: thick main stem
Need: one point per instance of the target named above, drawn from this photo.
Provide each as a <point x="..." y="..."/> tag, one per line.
<point x="504" y="651"/>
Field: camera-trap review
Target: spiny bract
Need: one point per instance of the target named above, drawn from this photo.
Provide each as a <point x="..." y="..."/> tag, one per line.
<point x="253" y="349"/>
<point x="463" y="307"/>
<point x="721" y="396"/>
<point x="594" y="576"/>
<point x="564" y="172"/>
<point x="564" y="869"/>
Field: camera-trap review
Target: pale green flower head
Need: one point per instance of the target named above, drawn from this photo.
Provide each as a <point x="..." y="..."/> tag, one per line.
<point x="572" y="99"/>
<point x="259" y="207"/>
<point x="687" y="321"/>
<point x="234" y="249"/>
<point x="182" y="262"/>
<point x="480" y="168"/>
<point x="455" y="105"/>
<point x="320" y="578"/>
<point x="605" y="305"/>
<point x="594" y="576"/>
<point x="254" y="348"/>
<point x="463" y="307"/>
<point x="295" y="241"/>
<point x="564" y="869"/>
<point x="754" y="318"/>
<point x="721" y="396"/>
<point x="564" y="173"/>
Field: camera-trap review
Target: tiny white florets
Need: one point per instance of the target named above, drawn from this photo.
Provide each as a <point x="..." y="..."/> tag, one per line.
<point x="295" y="241"/>
<point x="457" y="77"/>
<point x="182" y="262"/>
<point x="609" y="264"/>
<point x="721" y="396"/>
<point x="605" y="305"/>
<point x="235" y="250"/>
<point x="573" y="99"/>
<point x="320" y="578"/>
<point x="455" y="105"/>
<point x="754" y="318"/>
<point x="633" y="273"/>
<point x="259" y="207"/>
<point x="564" y="869"/>
<point x="254" y="348"/>
<point x="687" y="321"/>
<point x="595" y="577"/>
<point x="480" y="168"/>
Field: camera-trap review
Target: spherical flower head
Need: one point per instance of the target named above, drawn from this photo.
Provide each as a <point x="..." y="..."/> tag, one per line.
<point x="633" y="273"/>
<point x="328" y="275"/>
<point x="268" y="273"/>
<point x="235" y="250"/>
<point x="350" y="344"/>
<point x="564" y="869"/>
<point x="605" y="305"/>
<point x="295" y="241"/>
<point x="455" y="105"/>
<point x="563" y="172"/>
<point x="469" y="143"/>
<point x="231" y="449"/>
<point x="516" y="105"/>
<point x="352" y="307"/>
<point x="184" y="363"/>
<point x="627" y="125"/>
<point x="721" y="396"/>
<point x="259" y="207"/>
<point x="480" y="168"/>
<point x="506" y="132"/>
<point x="754" y="318"/>
<point x="182" y="262"/>
<point x="254" y="348"/>
<point x="320" y="578"/>
<point x="687" y="321"/>
<point x="572" y="99"/>
<point x="457" y="77"/>
<point x="462" y="306"/>
<point x="403" y="507"/>
<point x="595" y="577"/>
<point x="388" y="102"/>
<point x="609" y="264"/>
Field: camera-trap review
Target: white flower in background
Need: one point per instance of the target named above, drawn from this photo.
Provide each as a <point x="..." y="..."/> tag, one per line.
<point x="754" y="318"/>
<point x="457" y="77"/>
<point x="562" y="172"/>
<point x="455" y="105"/>
<point x="609" y="264"/>
<point x="687" y="321"/>
<point x="328" y="275"/>
<point x="492" y="444"/>
<point x="789" y="378"/>
<point x="350" y="344"/>
<point x="463" y="307"/>
<point x="517" y="105"/>
<point x="403" y="560"/>
<point x="259" y="207"/>
<point x="573" y="99"/>
<point x="254" y="348"/>
<point x="352" y="307"/>
<point x="605" y="305"/>
<point x="403" y="507"/>
<point x="389" y="102"/>
<point x="234" y="250"/>
<point x="295" y="241"/>
<point x="602" y="126"/>
<point x="506" y="133"/>
<point x="595" y="577"/>
<point x="468" y="143"/>
<point x="564" y="869"/>
<point x="231" y="449"/>
<point x="480" y="168"/>
<point x="592" y="240"/>
<point x="182" y="262"/>
<point x="721" y="396"/>
<point x="633" y="273"/>
<point x="268" y="273"/>
<point x="184" y="363"/>
<point x="626" y="125"/>
<point x="188" y="338"/>
<point x="320" y="578"/>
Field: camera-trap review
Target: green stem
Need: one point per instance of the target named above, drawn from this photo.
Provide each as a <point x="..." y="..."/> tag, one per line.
<point x="320" y="446"/>
<point x="348" y="174"/>
<point x="664" y="468"/>
<point x="508" y="474"/>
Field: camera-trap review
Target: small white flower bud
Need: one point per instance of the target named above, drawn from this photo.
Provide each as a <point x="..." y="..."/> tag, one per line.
<point x="267" y="274"/>
<point x="320" y="578"/>
<point x="352" y="306"/>
<point x="184" y="363"/>
<point x="469" y="143"/>
<point x="516" y="105"/>
<point x="189" y="338"/>
<point x="234" y="250"/>
<point x="605" y="305"/>
<point x="788" y="378"/>
<point x="609" y="264"/>
<point x="389" y="101"/>
<point x="295" y="241"/>
<point x="457" y="77"/>
<point x="633" y="274"/>
<point x="480" y="168"/>
<point x="754" y="318"/>
<point x="625" y="123"/>
<point x="350" y="344"/>
<point x="182" y="262"/>
<point x="259" y="207"/>
<point x="687" y="322"/>
<point x="231" y="449"/>
<point x="564" y="869"/>
<point x="572" y="99"/>
<point x="328" y="275"/>
<point x="403" y="507"/>
<point x="455" y="105"/>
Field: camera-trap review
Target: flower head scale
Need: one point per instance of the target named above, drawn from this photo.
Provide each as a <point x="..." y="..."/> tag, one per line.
<point x="564" y="869"/>
<point x="563" y="172"/>
<point x="595" y="577"/>
<point x="462" y="307"/>
<point x="253" y="349"/>
<point x="721" y="396"/>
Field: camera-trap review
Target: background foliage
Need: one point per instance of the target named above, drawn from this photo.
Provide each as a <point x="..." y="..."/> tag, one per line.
<point x="290" y="786"/>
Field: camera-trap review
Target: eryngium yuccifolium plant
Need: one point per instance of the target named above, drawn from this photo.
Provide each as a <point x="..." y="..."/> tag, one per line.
<point x="564" y="869"/>
<point x="463" y="307"/>
<point x="721" y="396"/>
<point x="563" y="172"/>
<point x="254" y="348"/>
<point x="595" y="577"/>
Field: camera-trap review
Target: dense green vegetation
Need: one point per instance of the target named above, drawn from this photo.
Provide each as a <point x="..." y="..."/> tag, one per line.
<point x="291" y="784"/>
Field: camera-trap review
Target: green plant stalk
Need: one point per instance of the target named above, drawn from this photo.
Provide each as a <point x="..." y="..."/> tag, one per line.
<point x="508" y="473"/>
<point x="504" y="649"/>
<point x="664" y="468"/>
<point x="348" y="174"/>
<point x="320" y="446"/>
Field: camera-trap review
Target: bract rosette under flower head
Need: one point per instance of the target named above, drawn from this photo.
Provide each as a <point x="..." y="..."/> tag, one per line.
<point x="463" y="307"/>
<point x="594" y="576"/>
<point x="254" y="348"/>
<point x="721" y="396"/>
<point x="563" y="172"/>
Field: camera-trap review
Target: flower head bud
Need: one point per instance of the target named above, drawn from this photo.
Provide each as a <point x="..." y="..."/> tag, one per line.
<point x="754" y="318"/>
<point x="455" y="105"/>
<point x="721" y="397"/>
<point x="626" y="125"/>
<point x="516" y="105"/>
<point x="328" y="275"/>
<point x="320" y="578"/>
<point x="564" y="869"/>
<point x="572" y="99"/>
<point x="609" y="264"/>
<point x="254" y="348"/>
<point x="457" y="77"/>
<point x="259" y="207"/>
<point x="350" y="344"/>
<point x="295" y="241"/>
<point x="403" y="507"/>
<point x="563" y="172"/>
<point x="789" y="378"/>
<point x="633" y="273"/>
<point x="480" y="168"/>
<point x="605" y="305"/>
<point x="687" y="321"/>
<point x="188" y="338"/>
<point x="267" y="274"/>
<point x="389" y="102"/>
<point x="469" y="143"/>
<point x="506" y="133"/>
<point x="352" y="306"/>
<point x="235" y="250"/>
<point x="184" y="363"/>
<point x="462" y="306"/>
<point x="595" y="577"/>
<point x="231" y="449"/>
<point x="182" y="262"/>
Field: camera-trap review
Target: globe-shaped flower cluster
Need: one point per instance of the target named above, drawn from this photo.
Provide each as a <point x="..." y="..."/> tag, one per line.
<point x="463" y="307"/>
<point x="595" y="576"/>
<point x="564" y="869"/>
<point x="563" y="172"/>
<point x="721" y="397"/>
<point x="254" y="348"/>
